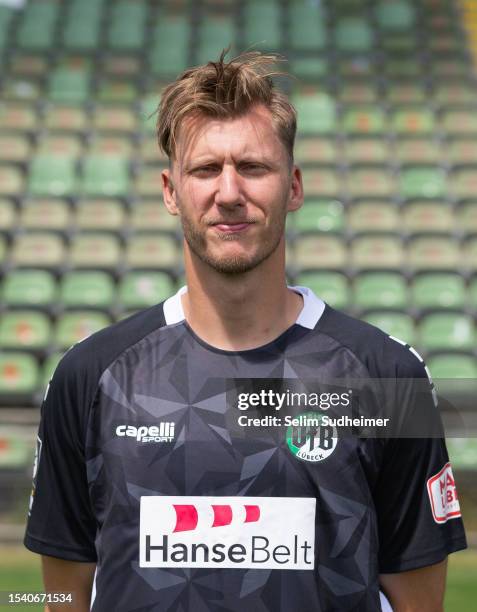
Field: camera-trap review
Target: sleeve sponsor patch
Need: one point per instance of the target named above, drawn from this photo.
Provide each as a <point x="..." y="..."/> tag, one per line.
<point x="443" y="495"/>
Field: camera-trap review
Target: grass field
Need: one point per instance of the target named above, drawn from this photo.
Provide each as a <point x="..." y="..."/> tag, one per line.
<point x="20" y="570"/>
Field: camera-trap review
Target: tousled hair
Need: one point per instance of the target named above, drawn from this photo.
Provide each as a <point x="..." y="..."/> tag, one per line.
<point x="225" y="90"/>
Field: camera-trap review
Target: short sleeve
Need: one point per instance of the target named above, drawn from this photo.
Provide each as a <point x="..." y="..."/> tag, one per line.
<point x="419" y="519"/>
<point x="60" y="521"/>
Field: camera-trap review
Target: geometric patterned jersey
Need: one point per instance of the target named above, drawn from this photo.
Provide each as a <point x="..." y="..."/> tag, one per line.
<point x="143" y="469"/>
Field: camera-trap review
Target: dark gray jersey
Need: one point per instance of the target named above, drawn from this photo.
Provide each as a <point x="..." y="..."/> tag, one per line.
<point x="140" y="471"/>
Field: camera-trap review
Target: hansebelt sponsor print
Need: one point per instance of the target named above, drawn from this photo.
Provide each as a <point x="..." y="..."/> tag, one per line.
<point x="227" y="532"/>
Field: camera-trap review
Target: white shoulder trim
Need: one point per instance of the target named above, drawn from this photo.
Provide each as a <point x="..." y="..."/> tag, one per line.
<point x="173" y="312"/>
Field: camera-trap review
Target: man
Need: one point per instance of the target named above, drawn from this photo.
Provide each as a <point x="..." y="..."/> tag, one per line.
<point x="141" y="485"/>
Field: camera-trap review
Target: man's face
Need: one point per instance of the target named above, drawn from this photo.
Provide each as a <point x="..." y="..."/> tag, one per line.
<point x="232" y="184"/>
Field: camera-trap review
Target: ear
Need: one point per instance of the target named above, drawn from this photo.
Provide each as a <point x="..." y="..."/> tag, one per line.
<point x="168" y="192"/>
<point x="295" y="200"/>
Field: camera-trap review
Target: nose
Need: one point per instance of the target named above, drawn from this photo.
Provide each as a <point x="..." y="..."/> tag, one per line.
<point x="228" y="187"/>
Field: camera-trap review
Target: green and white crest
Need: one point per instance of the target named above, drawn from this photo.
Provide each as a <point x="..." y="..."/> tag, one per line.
<point x="309" y="440"/>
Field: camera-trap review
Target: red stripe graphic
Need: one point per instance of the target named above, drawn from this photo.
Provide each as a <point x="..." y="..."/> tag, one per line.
<point x="252" y="514"/>
<point x="187" y="517"/>
<point x="222" y="515"/>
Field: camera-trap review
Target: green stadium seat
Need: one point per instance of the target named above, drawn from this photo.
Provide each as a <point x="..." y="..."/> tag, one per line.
<point x="87" y="289"/>
<point x="71" y="327"/>
<point x="377" y="252"/>
<point x="307" y="26"/>
<point x="461" y="151"/>
<point x="143" y="289"/>
<point x="332" y="287"/>
<point x="114" y="118"/>
<point x="215" y="34"/>
<point x="454" y="93"/>
<point x="462" y="453"/>
<point x="470" y="253"/>
<point x="66" y="118"/>
<point x="18" y="373"/>
<point x="151" y="250"/>
<point x="353" y="34"/>
<point x="319" y="252"/>
<point x="95" y="250"/>
<point x="417" y="151"/>
<point x="380" y="290"/>
<point x="406" y="93"/>
<point x="6" y="16"/>
<point x="17" y="117"/>
<point x="8" y="215"/>
<point x="396" y="324"/>
<point x="318" y="215"/>
<point x="399" y="43"/>
<point x="349" y="67"/>
<point x="427" y="217"/>
<point x="121" y="65"/>
<point x="47" y="214"/>
<point x="168" y="54"/>
<point x="364" y="120"/>
<point x="463" y="183"/>
<point x="320" y="182"/>
<point x="262" y="27"/>
<point x="449" y="67"/>
<point x="402" y="67"/>
<point x="115" y="145"/>
<point x="413" y="121"/>
<point x="105" y="175"/>
<point x="433" y="253"/>
<point x="127" y="27"/>
<point x="115" y="91"/>
<point x="459" y="122"/>
<point x="309" y="68"/>
<point x="37" y="27"/>
<point x="24" y="329"/>
<point x="357" y="93"/>
<point x="370" y="182"/>
<point x="422" y="182"/>
<point x="447" y="331"/>
<point x="82" y="28"/>
<point x="367" y="151"/>
<point x="100" y="214"/>
<point x="316" y="150"/>
<point x="438" y="290"/>
<point x="68" y="145"/>
<point x="467" y="217"/>
<point x="11" y="180"/>
<point x="452" y="365"/>
<point x="152" y="215"/>
<point x="38" y="250"/>
<point x="148" y="113"/>
<point x="52" y="175"/>
<point x="28" y="64"/>
<point x="395" y="15"/>
<point x="373" y="216"/>
<point x="316" y="113"/>
<point x="29" y="288"/>
<point x="69" y="83"/>
<point x="148" y="182"/>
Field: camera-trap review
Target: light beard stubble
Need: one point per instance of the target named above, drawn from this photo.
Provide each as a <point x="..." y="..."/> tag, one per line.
<point x="232" y="265"/>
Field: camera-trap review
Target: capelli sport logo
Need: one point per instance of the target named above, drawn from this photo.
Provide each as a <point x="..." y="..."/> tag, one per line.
<point x="227" y="532"/>
<point x="163" y="432"/>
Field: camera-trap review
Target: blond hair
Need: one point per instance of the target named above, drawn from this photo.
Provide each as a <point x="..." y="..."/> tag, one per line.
<point x="225" y="90"/>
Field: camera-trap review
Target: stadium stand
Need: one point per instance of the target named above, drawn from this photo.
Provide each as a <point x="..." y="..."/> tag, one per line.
<point x="387" y="140"/>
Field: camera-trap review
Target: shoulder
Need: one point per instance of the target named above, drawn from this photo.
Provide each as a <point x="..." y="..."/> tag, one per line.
<point x="383" y="355"/>
<point x="86" y="360"/>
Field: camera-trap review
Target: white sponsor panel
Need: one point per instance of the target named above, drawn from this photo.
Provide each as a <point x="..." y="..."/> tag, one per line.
<point x="443" y="495"/>
<point x="227" y="532"/>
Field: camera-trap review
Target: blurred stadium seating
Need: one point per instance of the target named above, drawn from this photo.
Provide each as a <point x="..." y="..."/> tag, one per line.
<point x="387" y="140"/>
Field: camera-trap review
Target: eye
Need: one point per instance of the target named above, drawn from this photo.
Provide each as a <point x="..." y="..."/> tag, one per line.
<point x="205" y="171"/>
<point x="252" y="168"/>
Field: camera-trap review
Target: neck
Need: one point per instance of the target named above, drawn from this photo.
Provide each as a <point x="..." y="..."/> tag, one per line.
<point x="243" y="311"/>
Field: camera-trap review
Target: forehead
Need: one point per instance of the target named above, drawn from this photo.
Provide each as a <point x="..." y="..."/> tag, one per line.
<point x="251" y="134"/>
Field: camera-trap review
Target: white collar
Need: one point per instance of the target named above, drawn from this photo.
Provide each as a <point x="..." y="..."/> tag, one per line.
<point x="308" y="317"/>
